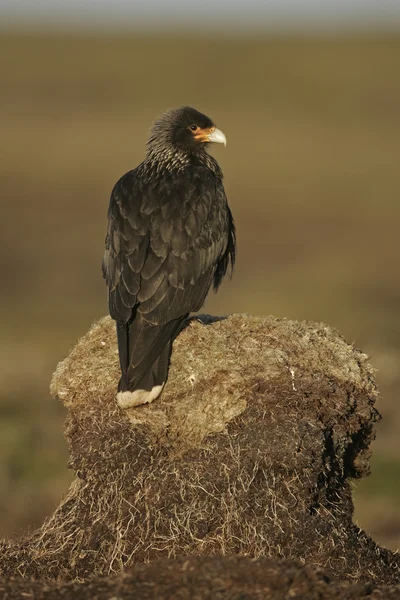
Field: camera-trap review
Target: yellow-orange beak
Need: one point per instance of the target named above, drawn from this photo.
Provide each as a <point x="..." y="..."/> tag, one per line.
<point x="211" y="134"/>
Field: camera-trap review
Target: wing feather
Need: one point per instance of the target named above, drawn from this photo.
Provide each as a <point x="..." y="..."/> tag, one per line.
<point x="148" y="287"/>
<point x="152" y="264"/>
<point x="136" y="259"/>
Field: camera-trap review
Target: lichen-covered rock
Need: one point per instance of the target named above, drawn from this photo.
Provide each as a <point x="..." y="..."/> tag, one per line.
<point x="248" y="451"/>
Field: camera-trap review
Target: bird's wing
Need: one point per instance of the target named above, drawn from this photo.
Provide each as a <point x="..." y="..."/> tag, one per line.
<point x="229" y="256"/>
<point x="127" y="242"/>
<point x="163" y="244"/>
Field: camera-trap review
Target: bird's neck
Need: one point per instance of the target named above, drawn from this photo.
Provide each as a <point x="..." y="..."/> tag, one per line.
<point x="174" y="160"/>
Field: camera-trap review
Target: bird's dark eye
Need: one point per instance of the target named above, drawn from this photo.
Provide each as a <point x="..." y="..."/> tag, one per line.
<point x="193" y="127"/>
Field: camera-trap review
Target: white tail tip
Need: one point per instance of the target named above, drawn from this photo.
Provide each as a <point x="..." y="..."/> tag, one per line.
<point x="138" y="397"/>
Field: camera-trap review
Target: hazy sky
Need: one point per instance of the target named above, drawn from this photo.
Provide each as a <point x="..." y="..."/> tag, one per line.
<point x="208" y="13"/>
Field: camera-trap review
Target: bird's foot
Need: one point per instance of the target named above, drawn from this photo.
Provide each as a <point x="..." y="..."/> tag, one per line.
<point x="138" y="397"/>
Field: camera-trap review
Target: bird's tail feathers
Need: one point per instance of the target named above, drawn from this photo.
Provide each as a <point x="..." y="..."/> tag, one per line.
<point x="145" y="351"/>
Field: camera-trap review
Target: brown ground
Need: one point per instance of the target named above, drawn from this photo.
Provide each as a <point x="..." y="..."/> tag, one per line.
<point x="312" y="175"/>
<point x="205" y="578"/>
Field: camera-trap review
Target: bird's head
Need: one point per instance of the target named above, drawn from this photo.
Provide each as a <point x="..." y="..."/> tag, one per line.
<point x="185" y="131"/>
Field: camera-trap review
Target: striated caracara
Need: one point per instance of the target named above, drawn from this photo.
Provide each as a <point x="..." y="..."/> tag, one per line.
<point x="170" y="237"/>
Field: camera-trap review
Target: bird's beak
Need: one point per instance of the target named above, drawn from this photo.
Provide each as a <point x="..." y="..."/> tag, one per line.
<point x="211" y="135"/>
<point x="217" y="136"/>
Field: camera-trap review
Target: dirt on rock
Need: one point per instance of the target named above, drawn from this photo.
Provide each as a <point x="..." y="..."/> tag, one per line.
<point x="247" y="453"/>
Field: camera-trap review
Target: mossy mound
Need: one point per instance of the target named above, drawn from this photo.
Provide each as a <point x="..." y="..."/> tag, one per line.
<point x="247" y="452"/>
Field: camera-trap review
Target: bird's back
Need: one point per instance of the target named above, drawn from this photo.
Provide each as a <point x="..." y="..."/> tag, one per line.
<point x="167" y="235"/>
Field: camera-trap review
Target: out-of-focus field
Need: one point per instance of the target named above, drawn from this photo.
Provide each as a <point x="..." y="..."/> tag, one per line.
<point x="312" y="171"/>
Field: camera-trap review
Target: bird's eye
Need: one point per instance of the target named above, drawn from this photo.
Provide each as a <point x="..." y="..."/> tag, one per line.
<point x="193" y="127"/>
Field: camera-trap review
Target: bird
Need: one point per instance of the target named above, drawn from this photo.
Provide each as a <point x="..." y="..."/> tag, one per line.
<point x="170" y="237"/>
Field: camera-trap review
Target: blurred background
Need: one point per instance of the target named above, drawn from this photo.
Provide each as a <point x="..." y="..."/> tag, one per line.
<point x="308" y="95"/>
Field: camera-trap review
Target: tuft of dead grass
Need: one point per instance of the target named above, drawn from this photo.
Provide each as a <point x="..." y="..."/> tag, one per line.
<point x="247" y="452"/>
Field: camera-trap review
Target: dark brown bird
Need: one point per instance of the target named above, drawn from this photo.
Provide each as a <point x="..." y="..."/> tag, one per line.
<point x="170" y="237"/>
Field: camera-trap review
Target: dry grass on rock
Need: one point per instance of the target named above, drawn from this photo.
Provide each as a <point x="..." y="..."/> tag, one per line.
<point x="247" y="452"/>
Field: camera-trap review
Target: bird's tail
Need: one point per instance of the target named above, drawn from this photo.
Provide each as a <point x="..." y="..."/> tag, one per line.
<point x="144" y="352"/>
